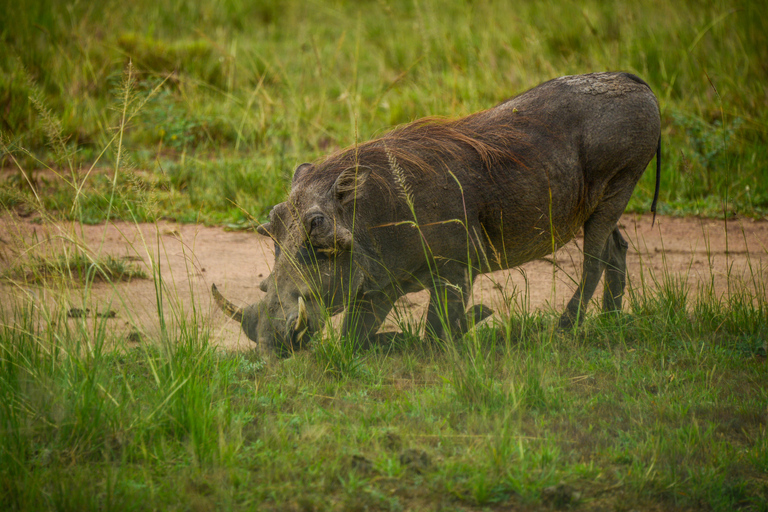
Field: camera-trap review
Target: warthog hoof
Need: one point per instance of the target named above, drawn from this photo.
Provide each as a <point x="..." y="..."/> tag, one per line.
<point x="478" y="313"/>
<point x="567" y="321"/>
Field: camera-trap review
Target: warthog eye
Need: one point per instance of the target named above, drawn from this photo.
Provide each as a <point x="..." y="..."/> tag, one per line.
<point x="316" y="222"/>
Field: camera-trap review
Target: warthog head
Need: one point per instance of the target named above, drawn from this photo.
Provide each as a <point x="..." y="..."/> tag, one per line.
<point x="314" y="269"/>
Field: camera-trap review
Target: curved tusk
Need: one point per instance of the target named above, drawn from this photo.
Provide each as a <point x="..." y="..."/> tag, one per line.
<point x="302" y="320"/>
<point x="227" y="307"/>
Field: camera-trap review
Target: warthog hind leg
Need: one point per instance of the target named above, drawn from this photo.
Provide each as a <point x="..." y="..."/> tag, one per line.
<point x="603" y="245"/>
<point x="615" y="271"/>
<point x="478" y="313"/>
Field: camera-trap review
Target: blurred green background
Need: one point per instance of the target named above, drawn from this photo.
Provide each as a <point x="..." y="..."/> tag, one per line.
<point x="212" y="104"/>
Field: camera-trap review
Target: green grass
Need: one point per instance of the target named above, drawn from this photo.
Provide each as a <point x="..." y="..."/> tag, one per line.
<point x="664" y="408"/>
<point x="75" y="267"/>
<point x="226" y="99"/>
<point x="200" y="111"/>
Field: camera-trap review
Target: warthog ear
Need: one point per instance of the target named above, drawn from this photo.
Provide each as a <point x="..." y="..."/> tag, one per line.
<point x="349" y="182"/>
<point x="301" y="170"/>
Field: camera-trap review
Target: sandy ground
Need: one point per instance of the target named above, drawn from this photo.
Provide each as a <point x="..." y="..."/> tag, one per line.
<point x="192" y="257"/>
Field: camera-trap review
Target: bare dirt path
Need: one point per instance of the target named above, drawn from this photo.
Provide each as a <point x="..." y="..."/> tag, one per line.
<point x="192" y="257"/>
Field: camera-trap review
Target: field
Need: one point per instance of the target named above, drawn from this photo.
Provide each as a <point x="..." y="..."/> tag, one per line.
<point x="140" y="142"/>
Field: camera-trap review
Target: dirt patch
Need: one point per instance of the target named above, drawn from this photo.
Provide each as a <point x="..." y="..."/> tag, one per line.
<point x="190" y="258"/>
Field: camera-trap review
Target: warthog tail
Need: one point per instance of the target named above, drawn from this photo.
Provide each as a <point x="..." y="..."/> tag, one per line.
<point x="658" y="181"/>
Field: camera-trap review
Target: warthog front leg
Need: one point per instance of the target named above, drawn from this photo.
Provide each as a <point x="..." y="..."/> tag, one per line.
<point x="364" y="316"/>
<point x="446" y="315"/>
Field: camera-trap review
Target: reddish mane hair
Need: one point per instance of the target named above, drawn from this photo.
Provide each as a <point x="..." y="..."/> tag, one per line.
<point x="427" y="144"/>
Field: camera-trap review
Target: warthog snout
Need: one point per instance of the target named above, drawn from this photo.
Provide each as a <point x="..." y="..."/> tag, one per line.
<point x="263" y="328"/>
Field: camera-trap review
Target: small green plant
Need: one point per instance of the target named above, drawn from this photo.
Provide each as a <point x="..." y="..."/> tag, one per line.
<point x="77" y="267"/>
<point x="339" y="356"/>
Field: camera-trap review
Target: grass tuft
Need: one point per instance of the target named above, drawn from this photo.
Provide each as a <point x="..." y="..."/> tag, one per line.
<point x="75" y="267"/>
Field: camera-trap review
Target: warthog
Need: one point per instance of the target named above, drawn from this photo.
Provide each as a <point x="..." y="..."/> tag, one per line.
<point x="435" y="202"/>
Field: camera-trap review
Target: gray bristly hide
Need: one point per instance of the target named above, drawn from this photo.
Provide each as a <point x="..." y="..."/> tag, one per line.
<point x="435" y="202"/>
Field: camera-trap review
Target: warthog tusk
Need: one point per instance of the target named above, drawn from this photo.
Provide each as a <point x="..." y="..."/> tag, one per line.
<point x="302" y="320"/>
<point x="227" y="307"/>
